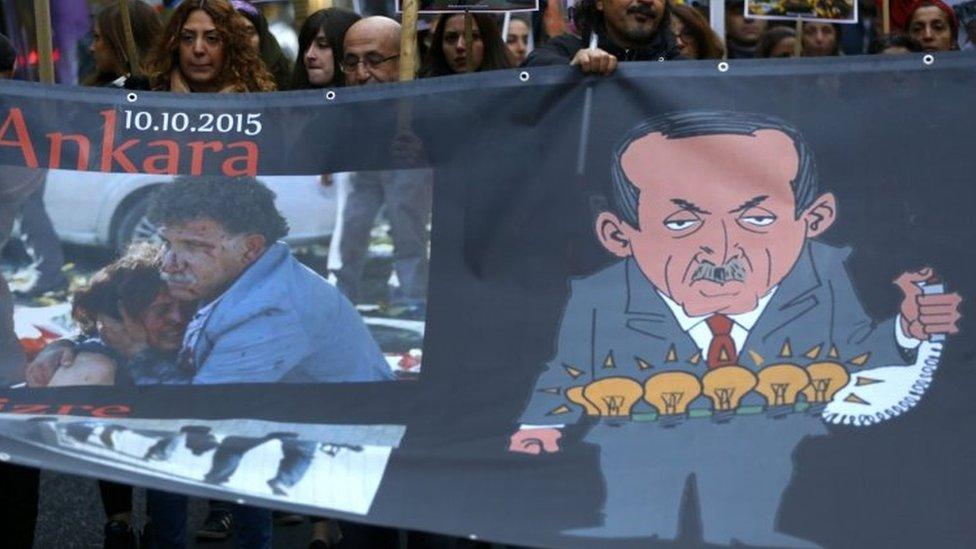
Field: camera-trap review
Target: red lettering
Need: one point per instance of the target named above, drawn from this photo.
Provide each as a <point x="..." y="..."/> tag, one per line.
<point x="111" y="411"/>
<point x="57" y="140"/>
<point x="30" y="408"/>
<point x="3" y="402"/>
<point x="66" y="409"/>
<point x="249" y="158"/>
<point x="22" y="141"/>
<point x="171" y="158"/>
<point x="198" y="148"/>
<point x="109" y="152"/>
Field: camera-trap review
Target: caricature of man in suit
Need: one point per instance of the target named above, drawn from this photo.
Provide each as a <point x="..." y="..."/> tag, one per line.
<point x="714" y="216"/>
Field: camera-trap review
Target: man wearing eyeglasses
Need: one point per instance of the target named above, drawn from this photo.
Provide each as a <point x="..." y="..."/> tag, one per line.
<point x="372" y="56"/>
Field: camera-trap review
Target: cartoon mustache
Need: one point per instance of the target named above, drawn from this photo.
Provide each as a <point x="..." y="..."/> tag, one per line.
<point x="733" y="270"/>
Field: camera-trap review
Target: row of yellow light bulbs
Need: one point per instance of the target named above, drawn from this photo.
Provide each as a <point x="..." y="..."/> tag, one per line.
<point x="671" y="392"/>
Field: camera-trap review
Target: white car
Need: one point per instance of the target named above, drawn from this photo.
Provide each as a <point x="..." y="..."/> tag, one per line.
<point x="109" y="209"/>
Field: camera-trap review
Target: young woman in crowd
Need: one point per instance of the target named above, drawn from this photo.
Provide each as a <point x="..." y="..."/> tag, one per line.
<point x="205" y="48"/>
<point x="694" y="37"/>
<point x="264" y="43"/>
<point x="933" y="24"/>
<point x="448" y="51"/>
<point x="320" y="49"/>
<point x="518" y="39"/>
<point x="112" y="65"/>
<point x="821" y="39"/>
<point x="777" y="42"/>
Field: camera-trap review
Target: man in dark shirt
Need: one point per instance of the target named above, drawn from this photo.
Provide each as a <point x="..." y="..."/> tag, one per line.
<point x="626" y="30"/>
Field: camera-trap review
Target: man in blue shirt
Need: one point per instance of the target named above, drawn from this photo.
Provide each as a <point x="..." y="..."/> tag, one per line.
<point x="263" y="317"/>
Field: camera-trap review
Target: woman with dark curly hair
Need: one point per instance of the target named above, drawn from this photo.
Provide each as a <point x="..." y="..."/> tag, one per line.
<point x="694" y="37"/>
<point x="448" y="53"/>
<point x="320" y="49"/>
<point x="205" y="48"/>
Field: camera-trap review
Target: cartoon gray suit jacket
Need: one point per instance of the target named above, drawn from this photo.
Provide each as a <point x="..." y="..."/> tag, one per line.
<point x="616" y="324"/>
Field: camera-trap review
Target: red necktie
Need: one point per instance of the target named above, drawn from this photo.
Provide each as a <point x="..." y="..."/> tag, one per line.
<point x="721" y="351"/>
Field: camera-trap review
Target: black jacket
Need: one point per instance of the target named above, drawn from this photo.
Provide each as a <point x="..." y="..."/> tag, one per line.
<point x="560" y="50"/>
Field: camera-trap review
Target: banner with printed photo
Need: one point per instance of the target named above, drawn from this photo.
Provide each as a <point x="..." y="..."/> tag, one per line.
<point x="675" y="307"/>
<point x="814" y="11"/>
<point x="465" y="6"/>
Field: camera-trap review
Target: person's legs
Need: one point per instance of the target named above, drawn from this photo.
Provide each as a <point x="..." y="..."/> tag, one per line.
<point x="294" y="463"/>
<point x="228" y="457"/>
<point x="363" y="203"/>
<point x="18" y="500"/>
<point x="117" y="502"/>
<point x="408" y="205"/>
<point x="254" y="527"/>
<point x="167" y="513"/>
<point x="42" y="243"/>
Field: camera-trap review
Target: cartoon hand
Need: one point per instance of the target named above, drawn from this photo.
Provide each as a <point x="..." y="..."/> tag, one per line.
<point x="923" y="315"/>
<point x="535" y="441"/>
<point x="60" y="354"/>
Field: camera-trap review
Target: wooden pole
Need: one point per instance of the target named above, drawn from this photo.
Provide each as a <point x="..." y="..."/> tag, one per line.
<point x="408" y="41"/>
<point x="45" y="47"/>
<point x="798" y="43"/>
<point x="131" y="52"/>
<point x="886" y="16"/>
<point x="468" y="41"/>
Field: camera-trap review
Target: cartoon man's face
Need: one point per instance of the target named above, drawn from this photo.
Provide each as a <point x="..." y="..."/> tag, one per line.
<point x="717" y="215"/>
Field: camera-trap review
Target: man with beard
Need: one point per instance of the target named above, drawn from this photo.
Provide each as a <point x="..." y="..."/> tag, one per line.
<point x="714" y="216"/>
<point x="626" y="30"/>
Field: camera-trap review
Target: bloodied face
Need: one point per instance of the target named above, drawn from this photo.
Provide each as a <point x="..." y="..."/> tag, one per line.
<point x="718" y="224"/>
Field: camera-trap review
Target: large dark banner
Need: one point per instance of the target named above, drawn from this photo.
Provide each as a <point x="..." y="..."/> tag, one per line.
<point x="692" y="304"/>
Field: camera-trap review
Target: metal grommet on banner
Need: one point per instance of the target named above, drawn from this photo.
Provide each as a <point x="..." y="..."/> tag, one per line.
<point x="723" y="66"/>
<point x="330" y="95"/>
<point x="472" y="537"/>
<point x="660" y="59"/>
<point x="4" y="456"/>
<point x="524" y="76"/>
<point x="928" y="59"/>
<point x="131" y="97"/>
<point x="239" y="501"/>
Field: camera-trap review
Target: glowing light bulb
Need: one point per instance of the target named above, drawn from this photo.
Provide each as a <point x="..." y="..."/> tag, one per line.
<point x="780" y="384"/>
<point x="671" y="393"/>
<point x="575" y="395"/>
<point x="613" y="396"/>
<point x="726" y="386"/>
<point x="826" y="378"/>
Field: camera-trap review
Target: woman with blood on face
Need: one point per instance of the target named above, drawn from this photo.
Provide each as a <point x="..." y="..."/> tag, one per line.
<point x="449" y="52"/>
<point x="205" y="48"/>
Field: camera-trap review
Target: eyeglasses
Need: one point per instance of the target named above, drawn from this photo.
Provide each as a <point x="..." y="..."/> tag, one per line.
<point x="371" y="60"/>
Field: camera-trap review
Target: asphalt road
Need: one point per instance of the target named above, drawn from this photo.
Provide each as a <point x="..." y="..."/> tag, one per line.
<point x="71" y="517"/>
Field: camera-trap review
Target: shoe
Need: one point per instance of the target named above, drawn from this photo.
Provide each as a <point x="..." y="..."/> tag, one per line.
<point x="277" y="488"/>
<point x="119" y="535"/>
<point x="286" y="519"/>
<point x="218" y="526"/>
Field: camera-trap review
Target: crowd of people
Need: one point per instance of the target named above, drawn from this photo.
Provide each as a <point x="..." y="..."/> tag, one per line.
<point x="142" y="316"/>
